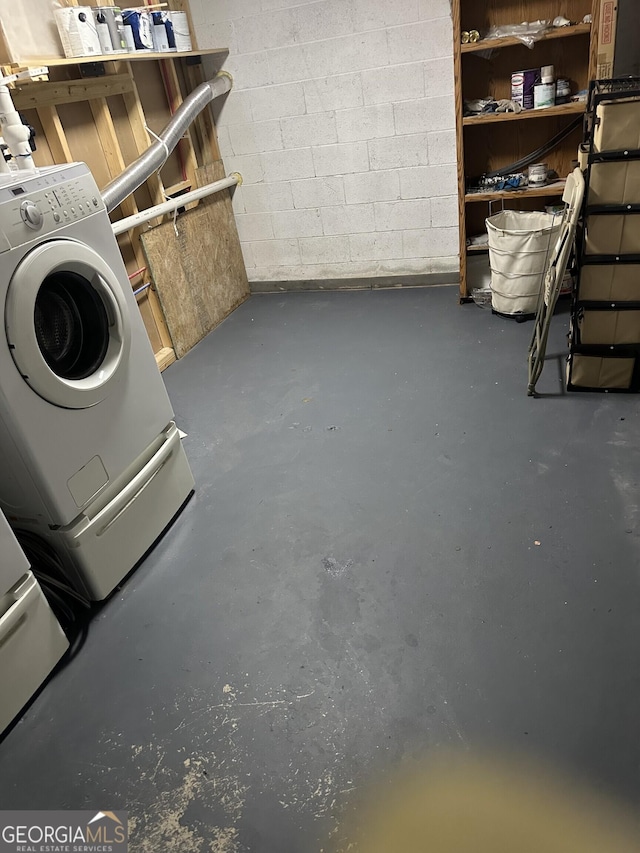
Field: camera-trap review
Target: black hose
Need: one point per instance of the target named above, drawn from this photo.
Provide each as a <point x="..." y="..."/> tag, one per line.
<point x="71" y="608"/>
<point x="536" y="155"/>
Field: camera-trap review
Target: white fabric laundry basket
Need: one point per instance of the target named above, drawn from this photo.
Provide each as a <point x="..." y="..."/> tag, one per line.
<point x="520" y="242"/>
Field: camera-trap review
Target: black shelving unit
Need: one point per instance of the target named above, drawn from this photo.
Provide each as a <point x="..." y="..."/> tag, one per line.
<point x="605" y="323"/>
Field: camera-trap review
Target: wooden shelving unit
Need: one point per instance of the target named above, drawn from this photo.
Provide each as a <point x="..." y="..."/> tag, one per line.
<point x="97" y="109"/>
<point x="483" y="69"/>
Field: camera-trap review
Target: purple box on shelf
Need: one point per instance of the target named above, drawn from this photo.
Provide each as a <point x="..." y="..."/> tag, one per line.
<point x="522" y="84"/>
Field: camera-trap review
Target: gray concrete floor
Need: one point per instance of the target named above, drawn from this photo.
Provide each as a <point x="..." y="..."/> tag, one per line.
<point x="391" y="549"/>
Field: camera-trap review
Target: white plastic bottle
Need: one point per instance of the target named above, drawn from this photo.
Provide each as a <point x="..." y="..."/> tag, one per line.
<point x="544" y="94"/>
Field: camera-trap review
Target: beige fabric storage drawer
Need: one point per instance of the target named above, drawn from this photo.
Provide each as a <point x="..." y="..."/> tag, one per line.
<point x="609" y="327"/>
<point x="610" y="282"/>
<point x="591" y="371"/>
<point x="609" y="234"/>
<point x="614" y="183"/>
<point x="619" y="126"/>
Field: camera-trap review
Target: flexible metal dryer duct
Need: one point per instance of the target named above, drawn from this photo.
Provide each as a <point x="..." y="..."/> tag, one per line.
<point x="156" y="155"/>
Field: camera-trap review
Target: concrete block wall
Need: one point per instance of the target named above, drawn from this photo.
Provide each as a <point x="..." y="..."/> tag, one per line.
<point x="341" y="121"/>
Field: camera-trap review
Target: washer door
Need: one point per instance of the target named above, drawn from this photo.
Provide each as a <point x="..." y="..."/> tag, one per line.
<point x="67" y="324"/>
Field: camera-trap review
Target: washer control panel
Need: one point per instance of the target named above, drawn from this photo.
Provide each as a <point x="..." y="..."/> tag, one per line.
<point x="35" y="204"/>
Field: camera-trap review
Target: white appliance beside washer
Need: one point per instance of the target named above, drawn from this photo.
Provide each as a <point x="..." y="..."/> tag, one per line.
<point x="89" y="453"/>
<point x="31" y="639"/>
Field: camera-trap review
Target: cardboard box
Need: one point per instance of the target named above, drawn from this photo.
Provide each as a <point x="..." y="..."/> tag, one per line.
<point x="590" y="371"/>
<point x="610" y="282"/>
<point x="609" y="327"/>
<point x="608" y="234"/>
<point x="522" y="86"/>
<point x="607" y="22"/>
<point x="614" y="183"/>
<point x="617" y="126"/>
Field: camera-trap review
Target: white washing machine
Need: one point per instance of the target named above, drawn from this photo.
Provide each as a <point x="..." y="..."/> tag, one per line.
<point x="31" y="639"/>
<point x="89" y="453"/>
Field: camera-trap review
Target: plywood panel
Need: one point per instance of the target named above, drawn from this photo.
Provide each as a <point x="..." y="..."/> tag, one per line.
<point x="204" y="278"/>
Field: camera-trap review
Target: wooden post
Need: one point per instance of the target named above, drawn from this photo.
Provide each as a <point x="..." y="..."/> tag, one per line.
<point x="55" y="135"/>
<point x="457" y="74"/>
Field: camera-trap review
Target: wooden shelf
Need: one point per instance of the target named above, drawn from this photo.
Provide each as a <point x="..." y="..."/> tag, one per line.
<point x="510" y="41"/>
<point x="554" y="189"/>
<point x="476" y="250"/>
<point x="542" y="112"/>
<point x="134" y="56"/>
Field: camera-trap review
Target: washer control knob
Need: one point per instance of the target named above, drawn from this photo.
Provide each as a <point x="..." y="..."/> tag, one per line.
<point x="31" y="215"/>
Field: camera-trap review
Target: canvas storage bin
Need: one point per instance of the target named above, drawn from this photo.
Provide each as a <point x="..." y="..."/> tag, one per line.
<point x="610" y="283"/>
<point x="596" y="372"/>
<point x="619" y="126"/>
<point x="609" y="327"/>
<point x="520" y="244"/>
<point x="611" y="234"/>
<point x="614" y="183"/>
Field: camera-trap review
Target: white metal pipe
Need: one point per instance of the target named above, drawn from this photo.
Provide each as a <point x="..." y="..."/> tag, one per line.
<point x="172" y="204"/>
<point x="4" y="166"/>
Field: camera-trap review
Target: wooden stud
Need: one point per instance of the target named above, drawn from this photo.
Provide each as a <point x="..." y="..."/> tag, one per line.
<point x="457" y="74"/>
<point x="177" y="189"/>
<point x="110" y="146"/>
<point x="142" y="140"/>
<point x="159" y="319"/>
<point x="115" y="163"/>
<point x="165" y="357"/>
<point x="205" y="127"/>
<point x="595" y="37"/>
<point x="55" y="135"/>
<point x="174" y="98"/>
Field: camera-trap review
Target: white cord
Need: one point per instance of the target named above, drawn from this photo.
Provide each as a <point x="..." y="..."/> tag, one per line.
<point x="161" y="141"/>
<point x="175" y="215"/>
